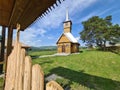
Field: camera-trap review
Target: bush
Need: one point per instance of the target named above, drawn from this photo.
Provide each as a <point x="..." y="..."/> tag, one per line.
<point x="63" y="82"/>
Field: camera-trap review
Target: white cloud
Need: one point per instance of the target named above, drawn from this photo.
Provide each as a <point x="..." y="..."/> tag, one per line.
<point x="30" y="36"/>
<point x="78" y="38"/>
<point x="57" y="15"/>
<point x="105" y="11"/>
<point x="50" y="38"/>
<point x="94" y="13"/>
<point x="33" y="36"/>
<point x="86" y="17"/>
<point x="42" y="32"/>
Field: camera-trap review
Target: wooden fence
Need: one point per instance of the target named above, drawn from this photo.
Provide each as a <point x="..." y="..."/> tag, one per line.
<point x="22" y="75"/>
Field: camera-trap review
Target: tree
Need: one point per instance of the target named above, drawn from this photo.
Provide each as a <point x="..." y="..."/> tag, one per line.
<point x="100" y="30"/>
<point x="115" y="34"/>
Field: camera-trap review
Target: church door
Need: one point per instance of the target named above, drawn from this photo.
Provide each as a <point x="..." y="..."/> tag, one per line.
<point x="63" y="48"/>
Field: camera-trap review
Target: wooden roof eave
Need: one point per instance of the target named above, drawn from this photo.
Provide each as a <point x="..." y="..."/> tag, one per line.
<point x="24" y="12"/>
<point x="59" y="39"/>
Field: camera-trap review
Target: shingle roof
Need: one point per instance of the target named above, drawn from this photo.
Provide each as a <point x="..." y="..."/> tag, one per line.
<point x="71" y="37"/>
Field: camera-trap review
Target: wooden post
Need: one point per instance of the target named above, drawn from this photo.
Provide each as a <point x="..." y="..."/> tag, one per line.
<point x="52" y="85"/>
<point x="18" y="32"/>
<point x="2" y="49"/>
<point x="27" y="73"/>
<point x="9" y="40"/>
<point x="11" y="69"/>
<point x="37" y="78"/>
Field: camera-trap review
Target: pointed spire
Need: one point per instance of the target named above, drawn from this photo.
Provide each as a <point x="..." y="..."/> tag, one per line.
<point x="67" y="15"/>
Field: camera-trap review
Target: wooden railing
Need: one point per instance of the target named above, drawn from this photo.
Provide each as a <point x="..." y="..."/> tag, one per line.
<point x="22" y="75"/>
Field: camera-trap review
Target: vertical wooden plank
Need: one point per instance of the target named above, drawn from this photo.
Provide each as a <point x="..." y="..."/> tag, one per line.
<point x="52" y="85"/>
<point x="27" y="73"/>
<point x="20" y="79"/>
<point x="2" y="48"/>
<point x="37" y="78"/>
<point x="11" y="70"/>
<point x="19" y="68"/>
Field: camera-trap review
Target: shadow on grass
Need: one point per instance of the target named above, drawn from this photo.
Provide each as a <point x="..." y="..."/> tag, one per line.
<point x="45" y="62"/>
<point x="87" y="80"/>
<point x="118" y="53"/>
<point x="34" y="56"/>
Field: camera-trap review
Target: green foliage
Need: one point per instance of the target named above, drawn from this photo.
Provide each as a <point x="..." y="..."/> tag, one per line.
<point x="90" y="70"/>
<point x="115" y="33"/>
<point x="100" y="30"/>
<point x="63" y="82"/>
<point x="76" y="86"/>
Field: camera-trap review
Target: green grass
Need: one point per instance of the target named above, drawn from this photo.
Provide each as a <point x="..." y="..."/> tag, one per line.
<point x="90" y="70"/>
<point x="1" y="83"/>
<point x="40" y="53"/>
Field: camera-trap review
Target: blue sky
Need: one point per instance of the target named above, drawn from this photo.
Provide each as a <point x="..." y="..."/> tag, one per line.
<point x="46" y="30"/>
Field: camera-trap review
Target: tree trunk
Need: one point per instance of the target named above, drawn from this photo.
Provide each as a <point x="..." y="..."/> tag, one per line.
<point x="104" y="45"/>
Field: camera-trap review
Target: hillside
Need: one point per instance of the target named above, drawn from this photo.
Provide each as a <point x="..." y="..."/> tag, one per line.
<point x="89" y="70"/>
<point x="44" y="48"/>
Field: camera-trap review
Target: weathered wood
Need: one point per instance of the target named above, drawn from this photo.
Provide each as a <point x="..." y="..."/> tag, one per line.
<point x="18" y="31"/>
<point x="11" y="70"/>
<point x="27" y="73"/>
<point x="20" y="73"/>
<point x="22" y="76"/>
<point x="17" y="66"/>
<point x="52" y="85"/>
<point x="20" y="79"/>
<point x="9" y="40"/>
<point x="19" y="69"/>
<point x="37" y="78"/>
<point x="13" y="62"/>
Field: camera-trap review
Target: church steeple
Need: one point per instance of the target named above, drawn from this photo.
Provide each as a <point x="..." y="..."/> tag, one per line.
<point x="67" y="23"/>
<point x="67" y="15"/>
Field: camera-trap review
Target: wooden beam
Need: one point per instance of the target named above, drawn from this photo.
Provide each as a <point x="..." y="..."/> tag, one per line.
<point x="9" y="40"/>
<point x="2" y="48"/>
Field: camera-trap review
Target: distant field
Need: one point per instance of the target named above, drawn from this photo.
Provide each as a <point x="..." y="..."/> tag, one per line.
<point x="89" y="70"/>
<point x="40" y="53"/>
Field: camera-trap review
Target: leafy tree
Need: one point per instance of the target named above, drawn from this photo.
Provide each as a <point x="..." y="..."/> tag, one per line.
<point x="100" y="30"/>
<point x="115" y="34"/>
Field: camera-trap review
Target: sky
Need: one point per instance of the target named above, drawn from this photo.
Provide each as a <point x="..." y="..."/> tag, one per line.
<point x="47" y="30"/>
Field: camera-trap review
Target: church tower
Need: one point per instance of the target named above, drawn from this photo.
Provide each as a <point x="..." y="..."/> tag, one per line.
<point x="67" y="43"/>
<point x="67" y="24"/>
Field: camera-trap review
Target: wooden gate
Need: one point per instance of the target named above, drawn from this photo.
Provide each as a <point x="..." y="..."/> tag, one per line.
<point x="22" y="75"/>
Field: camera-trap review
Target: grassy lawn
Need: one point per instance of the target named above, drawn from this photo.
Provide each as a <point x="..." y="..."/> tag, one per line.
<point x="40" y="53"/>
<point x="1" y="83"/>
<point x="89" y="70"/>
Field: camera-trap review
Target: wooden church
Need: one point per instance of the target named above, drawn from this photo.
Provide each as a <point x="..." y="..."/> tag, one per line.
<point x="67" y="42"/>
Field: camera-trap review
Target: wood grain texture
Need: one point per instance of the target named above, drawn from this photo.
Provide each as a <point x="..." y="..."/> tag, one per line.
<point x="21" y="75"/>
<point x="37" y="78"/>
<point x="27" y="73"/>
<point x="11" y="69"/>
<point x="52" y="85"/>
